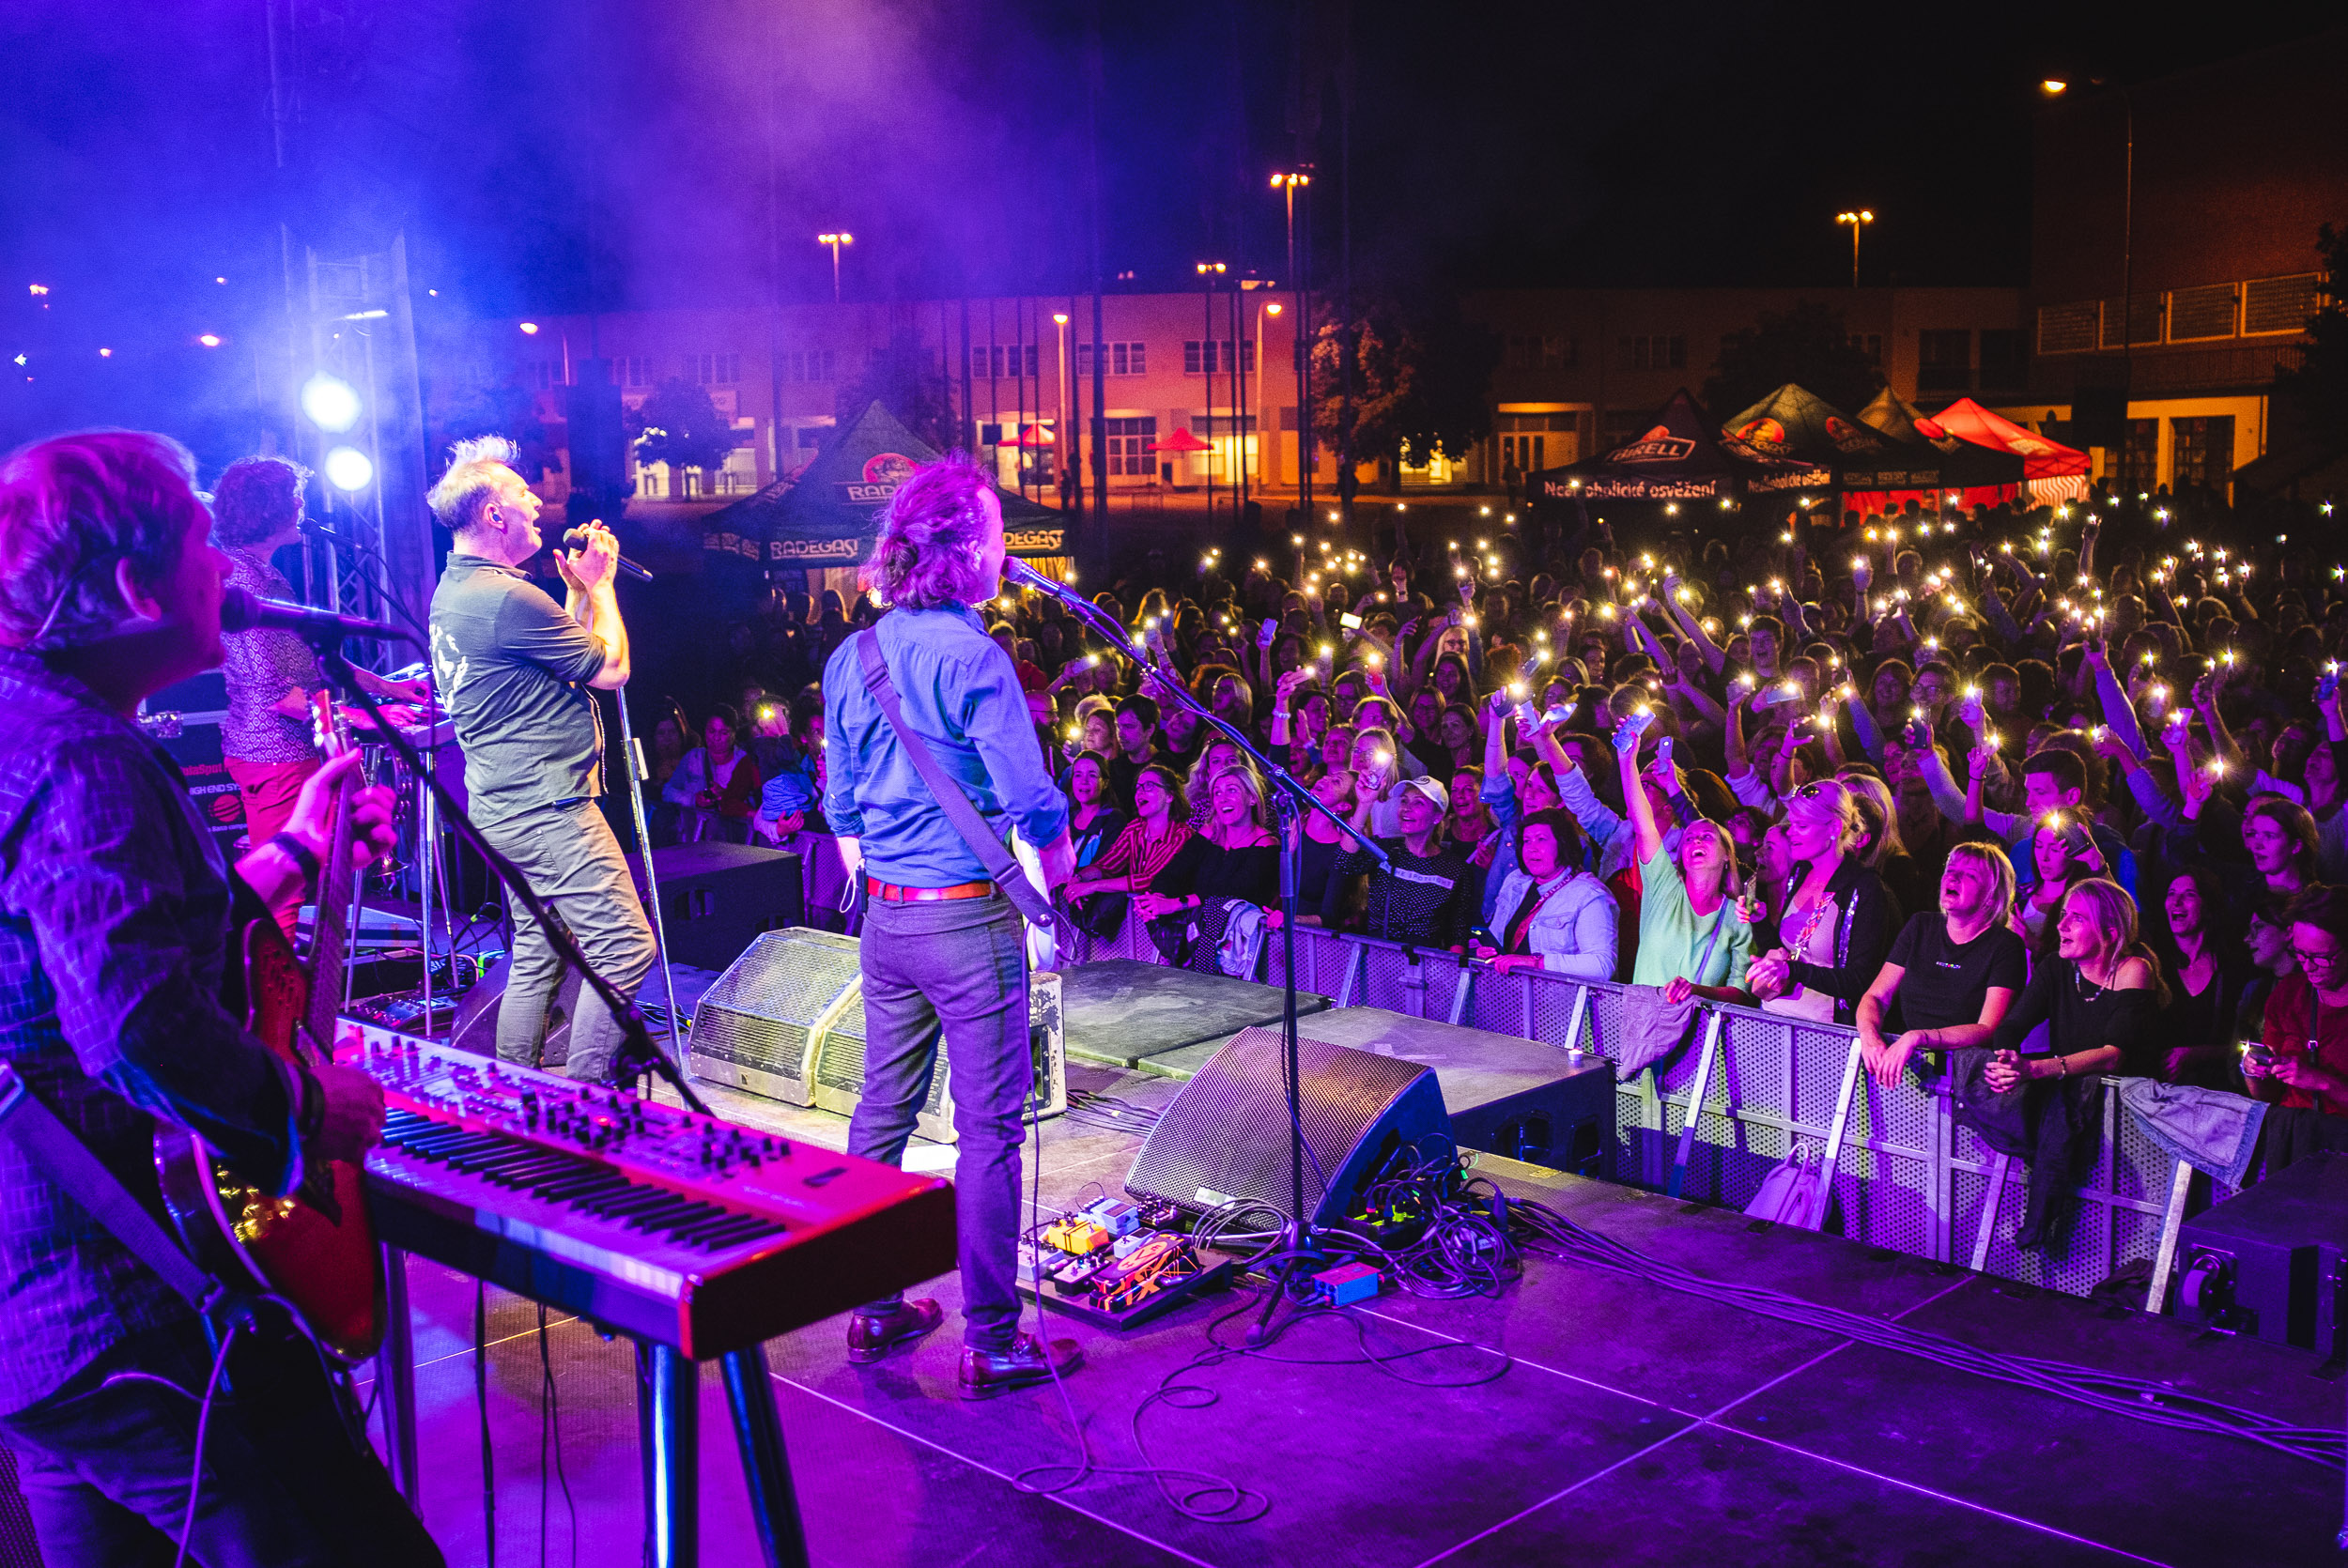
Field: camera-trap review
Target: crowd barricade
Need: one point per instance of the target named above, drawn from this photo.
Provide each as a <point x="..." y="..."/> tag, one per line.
<point x="1905" y="1175"/>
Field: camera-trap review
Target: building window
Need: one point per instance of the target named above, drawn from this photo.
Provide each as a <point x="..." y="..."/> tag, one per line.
<point x="2140" y="456"/>
<point x="2068" y="329"/>
<point x="1534" y="351"/>
<point x="2279" y="304"/>
<point x="1653" y="351"/>
<point x="1214" y="359"/>
<point x="1129" y="446"/>
<point x="713" y="370"/>
<point x="2001" y="357"/>
<point x="1944" y="360"/>
<point x="2139" y="324"/>
<point x="1124" y="358"/>
<point x="631" y="369"/>
<point x="812" y="364"/>
<point x="543" y="374"/>
<point x="2196" y="315"/>
<point x="1869" y="343"/>
<point x="2203" y="452"/>
<point x="999" y="362"/>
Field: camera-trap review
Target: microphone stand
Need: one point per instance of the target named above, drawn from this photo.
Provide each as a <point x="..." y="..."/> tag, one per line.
<point x="1291" y="798"/>
<point x="637" y="1054"/>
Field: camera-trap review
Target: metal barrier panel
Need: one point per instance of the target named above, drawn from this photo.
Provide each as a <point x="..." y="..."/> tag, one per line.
<point x="1907" y="1176"/>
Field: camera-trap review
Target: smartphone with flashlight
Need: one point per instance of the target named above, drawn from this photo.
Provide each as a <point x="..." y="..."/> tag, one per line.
<point x="2328" y="687"/>
<point x="1349" y="621"/>
<point x="1271" y="629"/>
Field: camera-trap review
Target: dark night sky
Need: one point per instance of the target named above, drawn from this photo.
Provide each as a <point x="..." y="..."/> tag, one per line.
<point x="541" y="153"/>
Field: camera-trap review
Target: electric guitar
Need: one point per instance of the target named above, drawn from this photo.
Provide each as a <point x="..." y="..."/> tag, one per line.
<point x="314" y="1248"/>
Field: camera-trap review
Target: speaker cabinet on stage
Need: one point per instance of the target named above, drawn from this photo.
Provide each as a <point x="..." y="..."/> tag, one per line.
<point x="2272" y="1261"/>
<point x="716" y="900"/>
<point x="1226" y="1134"/>
<point x="1505" y="1094"/>
<point x="786" y="1020"/>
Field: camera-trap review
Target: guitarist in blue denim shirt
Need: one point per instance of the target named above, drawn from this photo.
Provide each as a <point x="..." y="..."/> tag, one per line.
<point x="943" y="947"/>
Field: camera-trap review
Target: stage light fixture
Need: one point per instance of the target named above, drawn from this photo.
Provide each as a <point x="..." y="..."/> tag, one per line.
<point x="348" y="469"/>
<point x="329" y="403"/>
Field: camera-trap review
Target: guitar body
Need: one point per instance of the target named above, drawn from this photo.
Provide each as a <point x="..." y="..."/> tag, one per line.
<point x="314" y="1248"/>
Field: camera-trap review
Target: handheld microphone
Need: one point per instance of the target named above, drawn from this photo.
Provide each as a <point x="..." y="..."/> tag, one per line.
<point x="241" y="611"/>
<point x="575" y="539"/>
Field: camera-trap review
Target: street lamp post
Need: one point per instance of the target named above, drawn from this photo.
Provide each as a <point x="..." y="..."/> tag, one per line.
<point x="1060" y="415"/>
<point x="835" y="241"/>
<point x="1208" y="272"/>
<point x="2053" y="87"/>
<point x="1287" y="184"/>
<point x="1858" y="222"/>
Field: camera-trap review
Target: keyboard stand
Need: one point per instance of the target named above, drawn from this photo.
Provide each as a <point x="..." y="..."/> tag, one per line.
<point x="668" y="1424"/>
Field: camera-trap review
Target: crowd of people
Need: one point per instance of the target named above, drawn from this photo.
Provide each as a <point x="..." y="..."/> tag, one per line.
<point x="1961" y="780"/>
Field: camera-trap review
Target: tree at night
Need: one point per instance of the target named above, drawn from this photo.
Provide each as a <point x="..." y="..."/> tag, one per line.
<point x="2316" y="391"/>
<point x="679" y="426"/>
<point x="1420" y="383"/>
<point x="1808" y="345"/>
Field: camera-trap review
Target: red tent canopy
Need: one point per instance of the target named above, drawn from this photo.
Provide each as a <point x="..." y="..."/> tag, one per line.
<point x="2053" y="472"/>
<point x="1180" y="441"/>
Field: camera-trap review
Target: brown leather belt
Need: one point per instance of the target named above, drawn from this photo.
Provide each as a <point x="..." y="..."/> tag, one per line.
<point x="890" y="893"/>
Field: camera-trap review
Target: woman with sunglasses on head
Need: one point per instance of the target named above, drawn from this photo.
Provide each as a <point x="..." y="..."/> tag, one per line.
<point x="2101" y="998"/>
<point x="1836" y="927"/>
<point x="2302" y="1058"/>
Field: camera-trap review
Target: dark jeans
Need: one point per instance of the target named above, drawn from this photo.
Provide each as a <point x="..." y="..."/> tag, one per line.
<point x="961" y="964"/>
<point x="105" y="1469"/>
<point x="574" y="864"/>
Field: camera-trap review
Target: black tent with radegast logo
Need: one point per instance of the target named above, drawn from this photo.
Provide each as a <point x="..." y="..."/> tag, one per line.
<point x="1677" y="458"/>
<point x="1797" y="425"/>
<point x="829" y="515"/>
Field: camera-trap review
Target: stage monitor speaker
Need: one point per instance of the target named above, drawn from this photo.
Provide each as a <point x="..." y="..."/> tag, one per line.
<point x="716" y="898"/>
<point x="1505" y="1094"/>
<point x="756" y="1028"/>
<point x="786" y="1020"/>
<point x="1226" y="1135"/>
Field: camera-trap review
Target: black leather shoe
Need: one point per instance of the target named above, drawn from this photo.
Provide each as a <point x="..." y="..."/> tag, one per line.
<point x="871" y="1338"/>
<point x="988" y="1372"/>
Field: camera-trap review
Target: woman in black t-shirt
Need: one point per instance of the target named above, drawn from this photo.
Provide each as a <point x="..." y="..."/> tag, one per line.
<point x="2100" y="997"/>
<point x="1951" y="977"/>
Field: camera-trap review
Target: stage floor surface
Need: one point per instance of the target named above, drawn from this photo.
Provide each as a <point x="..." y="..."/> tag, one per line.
<point x="1632" y="1423"/>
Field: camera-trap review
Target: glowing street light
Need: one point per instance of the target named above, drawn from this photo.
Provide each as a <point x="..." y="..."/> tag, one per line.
<point x="529" y="329"/>
<point x="2054" y="86"/>
<point x="209" y="340"/>
<point x="835" y="241"/>
<point x="1858" y="222"/>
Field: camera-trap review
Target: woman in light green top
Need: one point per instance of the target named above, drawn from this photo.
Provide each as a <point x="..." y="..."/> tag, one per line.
<point x="1687" y="901"/>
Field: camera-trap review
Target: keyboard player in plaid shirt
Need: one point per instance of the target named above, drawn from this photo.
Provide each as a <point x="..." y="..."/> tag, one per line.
<point x="115" y="918"/>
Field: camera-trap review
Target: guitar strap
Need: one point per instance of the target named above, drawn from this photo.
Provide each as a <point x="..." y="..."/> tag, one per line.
<point x="992" y="852"/>
<point x="41" y="1138"/>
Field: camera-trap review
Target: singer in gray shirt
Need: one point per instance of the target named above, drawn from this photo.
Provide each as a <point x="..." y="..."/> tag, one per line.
<point x="516" y="672"/>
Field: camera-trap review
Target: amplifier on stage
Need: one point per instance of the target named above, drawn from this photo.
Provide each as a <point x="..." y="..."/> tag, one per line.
<point x="715" y="899"/>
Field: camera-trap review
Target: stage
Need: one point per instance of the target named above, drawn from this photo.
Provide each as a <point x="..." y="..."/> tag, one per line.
<point x="1632" y="1423"/>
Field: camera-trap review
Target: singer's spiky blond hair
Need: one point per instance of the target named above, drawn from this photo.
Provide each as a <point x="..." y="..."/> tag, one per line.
<point x="470" y="481"/>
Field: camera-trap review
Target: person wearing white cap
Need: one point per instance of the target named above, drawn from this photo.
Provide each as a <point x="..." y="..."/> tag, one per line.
<point x="1429" y="896"/>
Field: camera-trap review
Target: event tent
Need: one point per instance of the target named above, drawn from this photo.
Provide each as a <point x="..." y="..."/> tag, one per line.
<point x="1676" y="458"/>
<point x="828" y="516"/>
<point x="1978" y="475"/>
<point x="2053" y="472"/>
<point x="1792" y="424"/>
